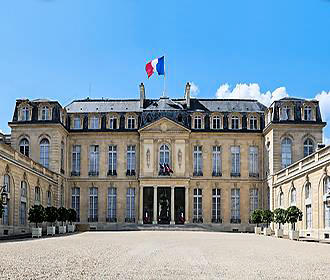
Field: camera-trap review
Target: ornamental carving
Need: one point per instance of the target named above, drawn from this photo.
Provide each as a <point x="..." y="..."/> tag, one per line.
<point x="148" y="157"/>
<point x="179" y="158"/>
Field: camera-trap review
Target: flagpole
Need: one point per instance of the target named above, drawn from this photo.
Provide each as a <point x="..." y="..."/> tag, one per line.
<point x="164" y="94"/>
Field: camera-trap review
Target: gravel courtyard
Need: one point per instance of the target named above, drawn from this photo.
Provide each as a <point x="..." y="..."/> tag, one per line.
<point x="163" y="255"/>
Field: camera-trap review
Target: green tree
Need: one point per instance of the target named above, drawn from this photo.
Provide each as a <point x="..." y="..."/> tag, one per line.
<point x="62" y="214"/>
<point x="293" y="215"/>
<point x="51" y="214"/>
<point x="267" y="216"/>
<point x="72" y="215"/>
<point x="256" y="217"/>
<point x="37" y="214"/>
<point x="280" y="216"/>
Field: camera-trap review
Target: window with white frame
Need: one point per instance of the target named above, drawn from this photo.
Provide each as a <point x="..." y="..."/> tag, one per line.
<point x="198" y="161"/>
<point x="25" y="114"/>
<point x="254" y="200"/>
<point x="216" y="122"/>
<point x="130" y="205"/>
<point x="234" y="122"/>
<point x="131" y="160"/>
<point x="253" y="123"/>
<point x="216" y="205"/>
<point x="198" y="122"/>
<point x="24" y="147"/>
<point x="93" y="205"/>
<point x="62" y="157"/>
<point x="326" y="194"/>
<point x="95" y="122"/>
<point x="37" y="196"/>
<point x="62" y="196"/>
<point x="235" y="161"/>
<point x="75" y="201"/>
<point x="286" y="152"/>
<point x="93" y="160"/>
<point x="308" y="113"/>
<point x="112" y="157"/>
<point x="293" y="197"/>
<point x="76" y="158"/>
<point x="198" y="206"/>
<point x="308" y="147"/>
<point x="44" y="152"/>
<point x="113" y="122"/>
<point x="45" y="113"/>
<point x="286" y="113"/>
<point x="308" y="205"/>
<point x="281" y="200"/>
<point x="130" y="122"/>
<point x="253" y="161"/>
<point x="76" y="123"/>
<point x="23" y="202"/>
<point x="49" y="198"/>
<point x="216" y="161"/>
<point x="5" y="214"/>
<point x="235" y="206"/>
<point x="112" y="205"/>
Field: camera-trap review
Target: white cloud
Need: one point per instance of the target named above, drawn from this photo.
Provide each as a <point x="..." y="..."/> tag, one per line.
<point x="251" y="91"/>
<point x="194" y="90"/>
<point x="324" y="101"/>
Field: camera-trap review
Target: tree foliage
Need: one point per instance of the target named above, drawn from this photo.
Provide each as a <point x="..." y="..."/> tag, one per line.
<point x="256" y="217"/>
<point x="293" y="215"/>
<point x="280" y="216"/>
<point x="51" y="214"/>
<point x="37" y="214"/>
<point x="267" y="216"/>
<point x="72" y="215"/>
<point x="62" y="214"/>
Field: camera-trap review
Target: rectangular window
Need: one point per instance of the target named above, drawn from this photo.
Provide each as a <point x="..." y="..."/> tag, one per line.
<point x="95" y="123"/>
<point x="326" y="216"/>
<point x="113" y="123"/>
<point x="253" y="123"/>
<point x="235" y="161"/>
<point x="235" y="206"/>
<point x="131" y="160"/>
<point x="308" y="216"/>
<point x="25" y="114"/>
<point x="37" y="196"/>
<point x="234" y="123"/>
<point x="62" y="196"/>
<point x="44" y="113"/>
<point x="131" y="123"/>
<point x="76" y="123"/>
<point x="93" y="160"/>
<point x="93" y="205"/>
<point x="286" y="113"/>
<point x="49" y="198"/>
<point x="130" y="205"/>
<point x="216" y="161"/>
<point x="112" y="205"/>
<point x="253" y="162"/>
<point x="112" y="156"/>
<point x="62" y="157"/>
<point x="216" y="209"/>
<point x="254" y="200"/>
<point x="22" y="212"/>
<point x="76" y="152"/>
<point x="76" y="201"/>
<point x="216" y="124"/>
<point x="308" y="113"/>
<point x="198" y="207"/>
<point x="5" y="215"/>
<point x="198" y="161"/>
<point x="198" y="122"/>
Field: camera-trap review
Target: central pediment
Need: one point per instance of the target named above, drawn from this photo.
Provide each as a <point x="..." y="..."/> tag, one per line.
<point x="164" y="125"/>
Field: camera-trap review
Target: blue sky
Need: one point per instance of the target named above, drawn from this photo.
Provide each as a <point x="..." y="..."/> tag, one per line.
<point x="56" y="48"/>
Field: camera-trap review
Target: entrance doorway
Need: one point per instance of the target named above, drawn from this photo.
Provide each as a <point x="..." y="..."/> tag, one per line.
<point x="179" y="205"/>
<point x="164" y="205"/>
<point x="148" y="205"/>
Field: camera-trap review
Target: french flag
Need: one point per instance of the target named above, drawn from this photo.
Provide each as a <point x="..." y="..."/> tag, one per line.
<point x="156" y="65"/>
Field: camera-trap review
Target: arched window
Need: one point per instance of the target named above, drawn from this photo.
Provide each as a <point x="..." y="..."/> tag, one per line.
<point x="285" y="113"/>
<point x="24" y="147"/>
<point x="6" y="183"/>
<point x="49" y="198"/>
<point x="281" y="199"/>
<point x="37" y="195"/>
<point x="308" y="206"/>
<point x="45" y="113"/>
<point x="62" y="157"/>
<point x="164" y="154"/>
<point x="308" y="113"/>
<point x="5" y="214"/>
<point x="308" y="194"/>
<point x="286" y="147"/>
<point x="308" y="147"/>
<point x="326" y="193"/>
<point x="44" y="152"/>
<point x="326" y="185"/>
<point x="25" y="114"/>
<point x="293" y="196"/>
<point x="23" y="202"/>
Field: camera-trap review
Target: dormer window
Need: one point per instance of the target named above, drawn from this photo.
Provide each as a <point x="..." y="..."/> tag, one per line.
<point x="216" y="122"/>
<point x="198" y="122"/>
<point x="286" y="113"/>
<point x="45" y="116"/>
<point x="113" y="123"/>
<point x="234" y="122"/>
<point x="76" y="123"/>
<point x="25" y="114"/>
<point x="308" y="113"/>
<point x="130" y="122"/>
<point x="253" y="123"/>
<point x="94" y="122"/>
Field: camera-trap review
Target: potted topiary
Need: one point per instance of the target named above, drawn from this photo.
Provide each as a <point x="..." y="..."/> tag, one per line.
<point x="72" y="217"/>
<point x="51" y="217"/>
<point x="267" y="218"/>
<point x="256" y="218"/>
<point x="279" y="219"/>
<point x="293" y="215"/>
<point x="62" y="217"/>
<point x="37" y="216"/>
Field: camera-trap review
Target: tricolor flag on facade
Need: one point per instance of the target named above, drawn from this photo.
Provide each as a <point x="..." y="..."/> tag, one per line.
<point x="156" y="65"/>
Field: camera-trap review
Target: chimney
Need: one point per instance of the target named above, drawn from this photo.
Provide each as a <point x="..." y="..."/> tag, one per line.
<point x="142" y="95"/>
<point x="187" y="94"/>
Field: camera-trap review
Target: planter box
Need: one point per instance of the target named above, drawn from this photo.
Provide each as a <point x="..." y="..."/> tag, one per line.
<point x="36" y="232"/>
<point x="293" y="234"/>
<point x="267" y="231"/>
<point x="51" y="231"/>
<point x="279" y="233"/>
<point x="61" y="229"/>
<point x="257" y="230"/>
<point x="71" y="228"/>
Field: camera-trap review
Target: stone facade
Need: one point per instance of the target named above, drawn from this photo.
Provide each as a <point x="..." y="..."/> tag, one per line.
<point x="124" y="162"/>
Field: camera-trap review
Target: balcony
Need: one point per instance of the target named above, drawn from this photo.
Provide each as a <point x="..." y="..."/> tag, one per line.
<point x="198" y="173"/>
<point x="198" y="220"/>
<point x="93" y="173"/>
<point x="112" y="173"/>
<point x="75" y="173"/>
<point x="130" y="173"/>
<point x="235" y="221"/>
<point x="129" y="220"/>
<point x="235" y="174"/>
<point x="93" y="219"/>
<point x="254" y="175"/>
<point x="216" y="174"/>
<point x="111" y="220"/>
<point x="216" y="220"/>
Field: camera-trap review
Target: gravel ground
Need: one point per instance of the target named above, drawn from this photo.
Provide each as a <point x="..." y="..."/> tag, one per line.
<point x="163" y="255"/>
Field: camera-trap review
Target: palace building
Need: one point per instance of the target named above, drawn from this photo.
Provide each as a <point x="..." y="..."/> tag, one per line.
<point x="126" y="162"/>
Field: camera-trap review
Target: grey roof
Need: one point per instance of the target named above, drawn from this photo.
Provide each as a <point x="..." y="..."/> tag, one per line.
<point x="164" y="104"/>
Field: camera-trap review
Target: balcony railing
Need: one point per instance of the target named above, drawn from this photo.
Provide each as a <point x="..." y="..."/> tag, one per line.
<point x="254" y="175"/>
<point x="130" y="173"/>
<point x="198" y="220"/>
<point x="217" y="220"/>
<point x="129" y="220"/>
<point x="198" y="173"/>
<point x="93" y="219"/>
<point x="75" y="173"/>
<point x="216" y="174"/>
<point x="111" y="220"/>
<point x="93" y="173"/>
<point x="235" y="221"/>
<point x="112" y="173"/>
<point x="235" y="174"/>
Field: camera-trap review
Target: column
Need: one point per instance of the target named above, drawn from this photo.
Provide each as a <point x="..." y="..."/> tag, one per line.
<point x="172" y="206"/>
<point x="155" y="206"/>
<point x="141" y="206"/>
<point x="186" y="210"/>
